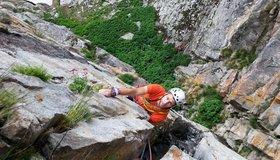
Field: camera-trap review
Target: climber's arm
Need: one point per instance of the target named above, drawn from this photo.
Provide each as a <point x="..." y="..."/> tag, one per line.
<point x="129" y="92"/>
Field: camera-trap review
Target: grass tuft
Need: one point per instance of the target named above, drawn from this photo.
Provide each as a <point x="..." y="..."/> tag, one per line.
<point x="7" y="100"/>
<point x="78" y="112"/>
<point x="36" y="71"/>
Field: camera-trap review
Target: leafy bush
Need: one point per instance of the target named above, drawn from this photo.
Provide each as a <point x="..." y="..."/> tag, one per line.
<point x="35" y="71"/>
<point x="127" y="78"/>
<point x="209" y="112"/>
<point x="79" y="85"/>
<point x="254" y="122"/>
<point x="209" y="108"/>
<point x="168" y="84"/>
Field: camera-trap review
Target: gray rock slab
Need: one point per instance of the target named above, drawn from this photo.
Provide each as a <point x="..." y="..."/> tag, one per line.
<point x="174" y="153"/>
<point x="99" y="137"/>
<point x="210" y="148"/>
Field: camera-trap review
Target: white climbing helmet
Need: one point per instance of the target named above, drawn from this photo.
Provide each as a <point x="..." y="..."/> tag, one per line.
<point x="178" y="95"/>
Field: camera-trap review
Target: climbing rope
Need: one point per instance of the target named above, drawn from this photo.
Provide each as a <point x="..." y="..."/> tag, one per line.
<point x="50" y="156"/>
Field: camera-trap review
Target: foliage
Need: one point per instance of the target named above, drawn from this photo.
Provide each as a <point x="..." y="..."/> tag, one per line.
<point x="79" y="85"/>
<point x="238" y="59"/>
<point x="127" y="78"/>
<point x="21" y="151"/>
<point x="36" y="71"/>
<point x="62" y="19"/>
<point x="90" y="54"/>
<point x="254" y="122"/>
<point x="209" y="112"/>
<point x="146" y="51"/>
<point x="77" y="113"/>
<point x="7" y="100"/>
<point x="168" y="84"/>
<point x="245" y="151"/>
<point x="209" y="108"/>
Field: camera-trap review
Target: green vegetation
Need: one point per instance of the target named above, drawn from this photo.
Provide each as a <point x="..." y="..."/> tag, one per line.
<point x="238" y="59"/>
<point x="152" y="59"/>
<point x="245" y="151"/>
<point x="127" y="78"/>
<point x="7" y="100"/>
<point x="21" y="152"/>
<point x="90" y="54"/>
<point x="209" y="106"/>
<point x="168" y="84"/>
<point x="77" y="113"/>
<point x="254" y="122"/>
<point x="36" y="71"/>
<point x="79" y="85"/>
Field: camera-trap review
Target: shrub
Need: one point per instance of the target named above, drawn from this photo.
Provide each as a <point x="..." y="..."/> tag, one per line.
<point x="127" y="78"/>
<point x="209" y="112"/>
<point x="254" y="122"/>
<point x="79" y="85"/>
<point x="209" y="106"/>
<point x="35" y="71"/>
<point x="168" y="84"/>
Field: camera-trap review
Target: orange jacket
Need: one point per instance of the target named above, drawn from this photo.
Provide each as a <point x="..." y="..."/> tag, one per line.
<point x="148" y="102"/>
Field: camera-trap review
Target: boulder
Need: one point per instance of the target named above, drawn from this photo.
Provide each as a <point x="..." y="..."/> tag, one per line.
<point x="127" y="36"/>
<point x="117" y="138"/>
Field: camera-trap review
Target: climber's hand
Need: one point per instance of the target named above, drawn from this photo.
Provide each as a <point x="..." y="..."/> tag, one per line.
<point x="105" y="92"/>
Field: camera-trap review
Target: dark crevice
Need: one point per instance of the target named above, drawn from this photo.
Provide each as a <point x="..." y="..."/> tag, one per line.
<point x="181" y="134"/>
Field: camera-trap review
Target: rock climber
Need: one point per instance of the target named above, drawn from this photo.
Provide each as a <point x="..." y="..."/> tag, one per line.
<point x="153" y="98"/>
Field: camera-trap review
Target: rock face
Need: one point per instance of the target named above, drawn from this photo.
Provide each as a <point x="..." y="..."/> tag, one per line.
<point x="207" y="27"/>
<point x="117" y="123"/>
<point x="119" y="128"/>
<point x="179" y="19"/>
<point x="253" y="93"/>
